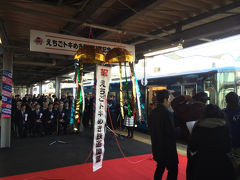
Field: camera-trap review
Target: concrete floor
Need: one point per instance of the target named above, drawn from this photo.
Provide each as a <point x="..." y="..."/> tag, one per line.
<point x="145" y="138"/>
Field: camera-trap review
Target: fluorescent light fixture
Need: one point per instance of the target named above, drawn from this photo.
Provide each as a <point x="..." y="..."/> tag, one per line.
<point x="205" y="39"/>
<point x="164" y="51"/>
<point x="68" y="79"/>
<point x="47" y="81"/>
<point x="35" y="84"/>
<point x="213" y="48"/>
<point x="71" y="74"/>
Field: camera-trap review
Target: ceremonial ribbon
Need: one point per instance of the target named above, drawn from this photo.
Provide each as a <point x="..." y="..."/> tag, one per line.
<point x="73" y="101"/>
<point x="81" y="99"/>
<point x="133" y="90"/>
<point x="77" y="100"/>
<point x="121" y="93"/>
<point x="140" y="104"/>
<point x="128" y="98"/>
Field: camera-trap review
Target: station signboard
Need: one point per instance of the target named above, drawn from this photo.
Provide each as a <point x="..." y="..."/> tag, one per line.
<point x="47" y="42"/>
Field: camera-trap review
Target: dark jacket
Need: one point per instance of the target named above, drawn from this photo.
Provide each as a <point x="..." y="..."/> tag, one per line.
<point x="38" y="115"/>
<point x="64" y="114"/>
<point x="163" y="135"/>
<point x="49" y="116"/>
<point x="22" y="118"/>
<point x="207" y="151"/>
<point x="234" y="121"/>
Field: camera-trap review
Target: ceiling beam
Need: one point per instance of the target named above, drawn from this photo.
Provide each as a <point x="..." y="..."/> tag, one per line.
<point x="47" y="3"/>
<point x="31" y="63"/>
<point x="127" y="13"/>
<point x="225" y="25"/>
<point x="3" y="33"/>
<point x="76" y="21"/>
<point x="194" y="19"/>
<point x="82" y="16"/>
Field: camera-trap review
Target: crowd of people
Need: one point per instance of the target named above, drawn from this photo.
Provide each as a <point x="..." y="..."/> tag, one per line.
<point x="45" y="114"/>
<point x="40" y="115"/>
<point x="214" y="135"/>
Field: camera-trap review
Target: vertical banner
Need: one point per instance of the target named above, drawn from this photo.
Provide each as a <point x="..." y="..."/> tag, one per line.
<point x="103" y="79"/>
<point x="6" y="94"/>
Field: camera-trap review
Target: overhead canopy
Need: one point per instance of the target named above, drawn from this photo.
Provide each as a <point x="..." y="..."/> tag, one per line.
<point x="148" y="24"/>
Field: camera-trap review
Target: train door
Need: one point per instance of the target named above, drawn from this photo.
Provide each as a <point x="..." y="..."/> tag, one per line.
<point x="189" y="89"/>
<point x="151" y="96"/>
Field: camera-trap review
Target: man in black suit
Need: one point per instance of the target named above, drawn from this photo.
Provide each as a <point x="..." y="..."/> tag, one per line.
<point x="163" y="138"/>
<point x="49" y="119"/>
<point x="63" y="119"/>
<point x="88" y="111"/>
<point x="38" y="120"/>
<point x="44" y="106"/>
<point x="55" y="111"/>
<point x="22" y="121"/>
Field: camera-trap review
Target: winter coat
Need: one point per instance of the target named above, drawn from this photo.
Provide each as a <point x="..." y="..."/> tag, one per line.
<point x="163" y="135"/>
<point x="207" y="151"/>
<point x="234" y="121"/>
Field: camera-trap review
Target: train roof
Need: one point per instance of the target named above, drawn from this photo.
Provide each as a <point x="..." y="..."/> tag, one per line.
<point x="201" y="72"/>
<point x="205" y="71"/>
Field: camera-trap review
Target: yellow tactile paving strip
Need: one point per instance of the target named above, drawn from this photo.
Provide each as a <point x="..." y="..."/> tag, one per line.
<point x="145" y="138"/>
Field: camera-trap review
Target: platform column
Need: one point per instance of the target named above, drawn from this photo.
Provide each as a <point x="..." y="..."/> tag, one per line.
<point x="40" y="88"/>
<point x="57" y="87"/>
<point x="6" y="121"/>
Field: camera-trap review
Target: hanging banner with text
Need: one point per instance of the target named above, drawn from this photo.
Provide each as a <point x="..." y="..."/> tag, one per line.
<point x="6" y="94"/>
<point x="47" y="42"/>
<point x="103" y="79"/>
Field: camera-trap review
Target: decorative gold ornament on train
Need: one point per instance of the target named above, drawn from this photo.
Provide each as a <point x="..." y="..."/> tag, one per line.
<point x="118" y="55"/>
<point x="90" y="55"/>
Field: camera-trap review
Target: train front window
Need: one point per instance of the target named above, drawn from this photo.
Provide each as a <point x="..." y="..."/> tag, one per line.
<point x="226" y="84"/>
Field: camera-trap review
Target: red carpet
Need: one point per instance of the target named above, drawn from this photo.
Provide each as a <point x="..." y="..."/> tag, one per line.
<point x="116" y="169"/>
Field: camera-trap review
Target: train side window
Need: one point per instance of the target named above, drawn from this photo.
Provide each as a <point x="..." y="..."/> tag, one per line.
<point x="210" y="87"/>
<point x="226" y="84"/>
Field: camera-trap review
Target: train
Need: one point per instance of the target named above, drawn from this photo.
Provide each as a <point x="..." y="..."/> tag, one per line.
<point x="216" y="82"/>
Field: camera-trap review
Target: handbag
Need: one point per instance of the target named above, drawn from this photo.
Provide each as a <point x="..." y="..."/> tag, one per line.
<point x="234" y="157"/>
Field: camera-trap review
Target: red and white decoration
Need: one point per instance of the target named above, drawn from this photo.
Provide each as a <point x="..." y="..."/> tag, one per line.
<point x="103" y="79"/>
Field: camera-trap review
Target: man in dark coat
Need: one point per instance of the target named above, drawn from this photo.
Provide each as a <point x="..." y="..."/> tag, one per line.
<point x="63" y="118"/>
<point x="163" y="138"/>
<point x="49" y="119"/>
<point x="38" y="124"/>
<point x="233" y="114"/>
<point x="112" y="110"/>
<point x="22" y="121"/>
<point x="88" y="110"/>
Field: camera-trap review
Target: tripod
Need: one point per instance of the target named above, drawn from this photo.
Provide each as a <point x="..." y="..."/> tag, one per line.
<point x="57" y="140"/>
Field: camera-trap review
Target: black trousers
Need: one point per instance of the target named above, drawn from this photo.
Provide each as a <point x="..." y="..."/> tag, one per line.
<point x="130" y="131"/>
<point x="48" y="128"/>
<point x="62" y="126"/>
<point x="172" y="170"/>
<point x="86" y="117"/>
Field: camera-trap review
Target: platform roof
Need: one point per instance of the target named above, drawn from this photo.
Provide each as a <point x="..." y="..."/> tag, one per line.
<point x="147" y="24"/>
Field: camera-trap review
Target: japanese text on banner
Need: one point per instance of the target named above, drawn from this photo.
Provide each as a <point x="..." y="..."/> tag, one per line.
<point x="103" y="78"/>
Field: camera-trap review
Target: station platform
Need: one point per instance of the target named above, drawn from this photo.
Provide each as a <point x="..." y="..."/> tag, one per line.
<point x="32" y="158"/>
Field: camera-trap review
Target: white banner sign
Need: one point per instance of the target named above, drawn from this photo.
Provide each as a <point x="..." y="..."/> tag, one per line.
<point x="47" y="42"/>
<point x="103" y="79"/>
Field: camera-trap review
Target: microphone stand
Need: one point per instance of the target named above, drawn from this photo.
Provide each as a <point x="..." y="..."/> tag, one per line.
<point x="57" y="140"/>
